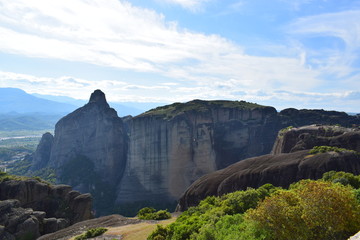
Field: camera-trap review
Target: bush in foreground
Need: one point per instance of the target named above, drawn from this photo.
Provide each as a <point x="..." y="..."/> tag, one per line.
<point x="309" y="210"/>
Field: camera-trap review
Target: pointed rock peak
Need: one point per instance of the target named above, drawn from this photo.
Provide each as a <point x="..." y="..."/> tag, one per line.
<point x="98" y="97"/>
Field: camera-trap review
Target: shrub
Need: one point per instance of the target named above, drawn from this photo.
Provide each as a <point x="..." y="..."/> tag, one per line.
<point x="324" y="149"/>
<point x="91" y="233"/>
<point x="148" y="213"/>
<point x="311" y="210"/>
<point x="343" y="178"/>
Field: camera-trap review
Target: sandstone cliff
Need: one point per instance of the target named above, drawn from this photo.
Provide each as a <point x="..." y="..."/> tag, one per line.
<point x="306" y="137"/>
<point x="29" y="208"/>
<point x="95" y="132"/>
<point x="154" y="157"/>
<point x="58" y="201"/>
<point x="289" y="162"/>
<point x="279" y="170"/>
<point x="41" y="156"/>
<point x="172" y="146"/>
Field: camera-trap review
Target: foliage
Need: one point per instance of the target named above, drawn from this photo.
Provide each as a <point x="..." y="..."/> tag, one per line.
<point x="131" y="209"/>
<point x="149" y="213"/>
<point x="91" y="233"/>
<point x="284" y="130"/>
<point x="310" y="210"/>
<point x="324" y="149"/>
<point x="7" y="177"/>
<point x="22" y="168"/>
<point x="343" y="178"/>
<point x="198" y="221"/>
<point x="328" y="208"/>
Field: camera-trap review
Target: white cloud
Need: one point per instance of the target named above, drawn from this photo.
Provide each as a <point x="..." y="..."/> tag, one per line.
<point x="343" y="27"/>
<point x="192" y="5"/>
<point x="117" y="34"/>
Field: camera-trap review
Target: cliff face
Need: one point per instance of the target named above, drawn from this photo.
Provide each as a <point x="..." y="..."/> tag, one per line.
<point x="155" y="156"/>
<point x="307" y="137"/>
<point x="172" y="146"/>
<point x="57" y="201"/>
<point x="41" y="156"/>
<point x="279" y="170"/>
<point x="95" y="132"/>
<point x="289" y="162"/>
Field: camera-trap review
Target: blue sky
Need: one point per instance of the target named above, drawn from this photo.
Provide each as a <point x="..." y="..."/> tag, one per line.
<point x="283" y="53"/>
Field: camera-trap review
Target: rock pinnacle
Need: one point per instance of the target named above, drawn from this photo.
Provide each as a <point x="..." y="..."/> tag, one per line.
<point x="98" y="97"/>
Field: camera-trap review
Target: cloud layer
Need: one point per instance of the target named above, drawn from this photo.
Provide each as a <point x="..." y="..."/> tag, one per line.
<point x="116" y="34"/>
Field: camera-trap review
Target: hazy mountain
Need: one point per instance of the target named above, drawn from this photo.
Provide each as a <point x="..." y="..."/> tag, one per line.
<point x="28" y="121"/>
<point x="123" y="108"/>
<point x="17" y="100"/>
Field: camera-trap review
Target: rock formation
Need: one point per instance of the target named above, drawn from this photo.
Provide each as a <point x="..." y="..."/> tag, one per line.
<point x="155" y="156"/>
<point x="41" y="156"/>
<point x="279" y="170"/>
<point x="29" y="208"/>
<point x="95" y="132"/>
<point x="289" y="162"/>
<point x="307" y="137"/>
<point x="303" y="117"/>
<point x="172" y="146"/>
<point x="58" y="201"/>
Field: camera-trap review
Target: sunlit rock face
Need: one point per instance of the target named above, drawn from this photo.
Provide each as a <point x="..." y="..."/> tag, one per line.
<point x="172" y="146"/>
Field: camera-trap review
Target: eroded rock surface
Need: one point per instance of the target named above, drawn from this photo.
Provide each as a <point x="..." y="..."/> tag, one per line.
<point x="279" y="170"/>
<point x="307" y="137"/>
<point x="172" y="146"/>
<point x="57" y="201"/>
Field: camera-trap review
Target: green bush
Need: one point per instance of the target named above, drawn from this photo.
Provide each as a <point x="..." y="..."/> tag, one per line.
<point x="200" y="221"/>
<point x="149" y="213"/>
<point x="324" y="149"/>
<point x="343" y="178"/>
<point x="311" y="210"/>
<point x="91" y="233"/>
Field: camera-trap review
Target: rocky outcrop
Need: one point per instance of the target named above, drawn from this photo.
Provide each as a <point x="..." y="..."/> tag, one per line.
<point x="57" y="201"/>
<point x="303" y="117"/>
<point x="95" y="132"/>
<point x="41" y="156"/>
<point x="155" y="156"/>
<point x="279" y="170"/>
<point x="25" y="223"/>
<point x="172" y="146"/>
<point x="307" y="137"/>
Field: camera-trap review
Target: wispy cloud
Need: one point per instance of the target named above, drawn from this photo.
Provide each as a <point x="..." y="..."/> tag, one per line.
<point x="193" y="5"/>
<point x="117" y="34"/>
<point x="343" y="28"/>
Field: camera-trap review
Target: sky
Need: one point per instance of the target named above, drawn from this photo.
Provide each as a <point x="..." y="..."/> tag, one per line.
<point x="281" y="53"/>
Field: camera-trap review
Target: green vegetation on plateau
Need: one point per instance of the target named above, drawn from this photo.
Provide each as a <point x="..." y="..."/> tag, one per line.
<point x="328" y="208"/>
<point x="172" y="110"/>
<point x="324" y="149"/>
<point x="6" y="177"/>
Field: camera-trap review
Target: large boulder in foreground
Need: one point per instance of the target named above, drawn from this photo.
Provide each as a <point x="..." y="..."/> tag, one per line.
<point x="279" y="170"/>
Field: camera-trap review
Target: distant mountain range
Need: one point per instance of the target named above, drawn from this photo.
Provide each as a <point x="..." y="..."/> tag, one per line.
<point x="22" y="111"/>
<point x="17" y="100"/>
